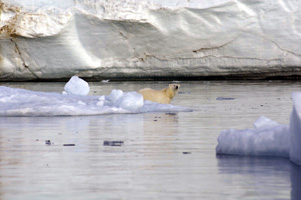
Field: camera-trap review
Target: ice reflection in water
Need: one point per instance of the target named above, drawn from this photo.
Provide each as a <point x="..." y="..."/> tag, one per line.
<point x="262" y="170"/>
<point x="150" y="164"/>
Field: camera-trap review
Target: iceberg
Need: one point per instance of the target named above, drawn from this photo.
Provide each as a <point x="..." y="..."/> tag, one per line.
<point x="267" y="138"/>
<point x="123" y="39"/>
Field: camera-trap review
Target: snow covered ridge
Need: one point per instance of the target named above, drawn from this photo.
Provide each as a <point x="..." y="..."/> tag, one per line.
<point x="268" y="138"/>
<point x="150" y="38"/>
<point x="20" y="102"/>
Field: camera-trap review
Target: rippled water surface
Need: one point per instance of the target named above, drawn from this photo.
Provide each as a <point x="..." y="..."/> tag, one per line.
<point x="160" y="156"/>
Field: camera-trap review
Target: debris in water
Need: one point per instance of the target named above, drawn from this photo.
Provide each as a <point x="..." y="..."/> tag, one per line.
<point x="48" y="142"/>
<point x="113" y="143"/>
<point x="68" y="145"/>
<point x="180" y="92"/>
<point x="224" y="98"/>
<point x="170" y="113"/>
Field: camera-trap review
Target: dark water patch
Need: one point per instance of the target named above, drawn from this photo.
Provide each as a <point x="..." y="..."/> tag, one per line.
<point x="224" y="98"/>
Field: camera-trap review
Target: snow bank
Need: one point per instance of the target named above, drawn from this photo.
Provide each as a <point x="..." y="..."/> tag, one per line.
<point x="268" y="138"/>
<point x="20" y="102"/>
<point x="148" y="38"/>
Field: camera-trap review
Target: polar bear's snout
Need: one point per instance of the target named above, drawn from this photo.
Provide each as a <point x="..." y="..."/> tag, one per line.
<point x="174" y="87"/>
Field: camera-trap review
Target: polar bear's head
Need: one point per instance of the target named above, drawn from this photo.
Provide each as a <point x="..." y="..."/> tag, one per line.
<point x="172" y="90"/>
<point x="174" y="87"/>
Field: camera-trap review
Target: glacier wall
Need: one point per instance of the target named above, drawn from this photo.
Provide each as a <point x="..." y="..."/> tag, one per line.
<point x="140" y="39"/>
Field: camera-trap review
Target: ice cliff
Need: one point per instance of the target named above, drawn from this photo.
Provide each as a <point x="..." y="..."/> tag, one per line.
<point x="150" y="38"/>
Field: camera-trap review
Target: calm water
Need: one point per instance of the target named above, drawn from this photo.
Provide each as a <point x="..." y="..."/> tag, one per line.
<point x="163" y="156"/>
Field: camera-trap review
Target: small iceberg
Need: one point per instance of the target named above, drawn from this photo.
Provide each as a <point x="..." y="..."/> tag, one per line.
<point x="267" y="138"/>
<point x="76" y="86"/>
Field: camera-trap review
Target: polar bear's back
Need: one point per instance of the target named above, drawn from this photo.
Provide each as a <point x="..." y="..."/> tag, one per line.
<point x="155" y="95"/>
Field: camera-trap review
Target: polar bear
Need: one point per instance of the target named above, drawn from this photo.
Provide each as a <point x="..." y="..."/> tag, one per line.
<point x="161" y="96"/>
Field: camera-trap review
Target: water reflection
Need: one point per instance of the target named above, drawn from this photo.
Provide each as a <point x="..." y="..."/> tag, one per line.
<point x="151" y="163"/>
<point x="264" y="170"/>
<point x="33" y="168"/>
<point x="296" y="182"/>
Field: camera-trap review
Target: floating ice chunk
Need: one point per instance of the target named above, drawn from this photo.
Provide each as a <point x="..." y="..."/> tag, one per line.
<point x="267" y="139"/>
<point x="77" y="86"/>
<point x="295" y="129"/>
<point x="105" y="81"/>
<point x="131" y="101"/>
<point x="264" y="122"/>
<point x="114" y="96"/>
<point x="101" y="101"/>
<point x="102" y="98"/>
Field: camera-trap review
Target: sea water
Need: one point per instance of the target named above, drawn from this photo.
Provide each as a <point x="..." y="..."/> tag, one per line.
<point x="160" y="155"/>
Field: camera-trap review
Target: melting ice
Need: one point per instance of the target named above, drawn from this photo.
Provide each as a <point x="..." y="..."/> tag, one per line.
<point x="20" y="102"/>
<point x="267" y="138"/>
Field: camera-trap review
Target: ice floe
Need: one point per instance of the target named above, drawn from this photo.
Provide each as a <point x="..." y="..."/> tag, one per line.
<point x="21" y="102"/>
